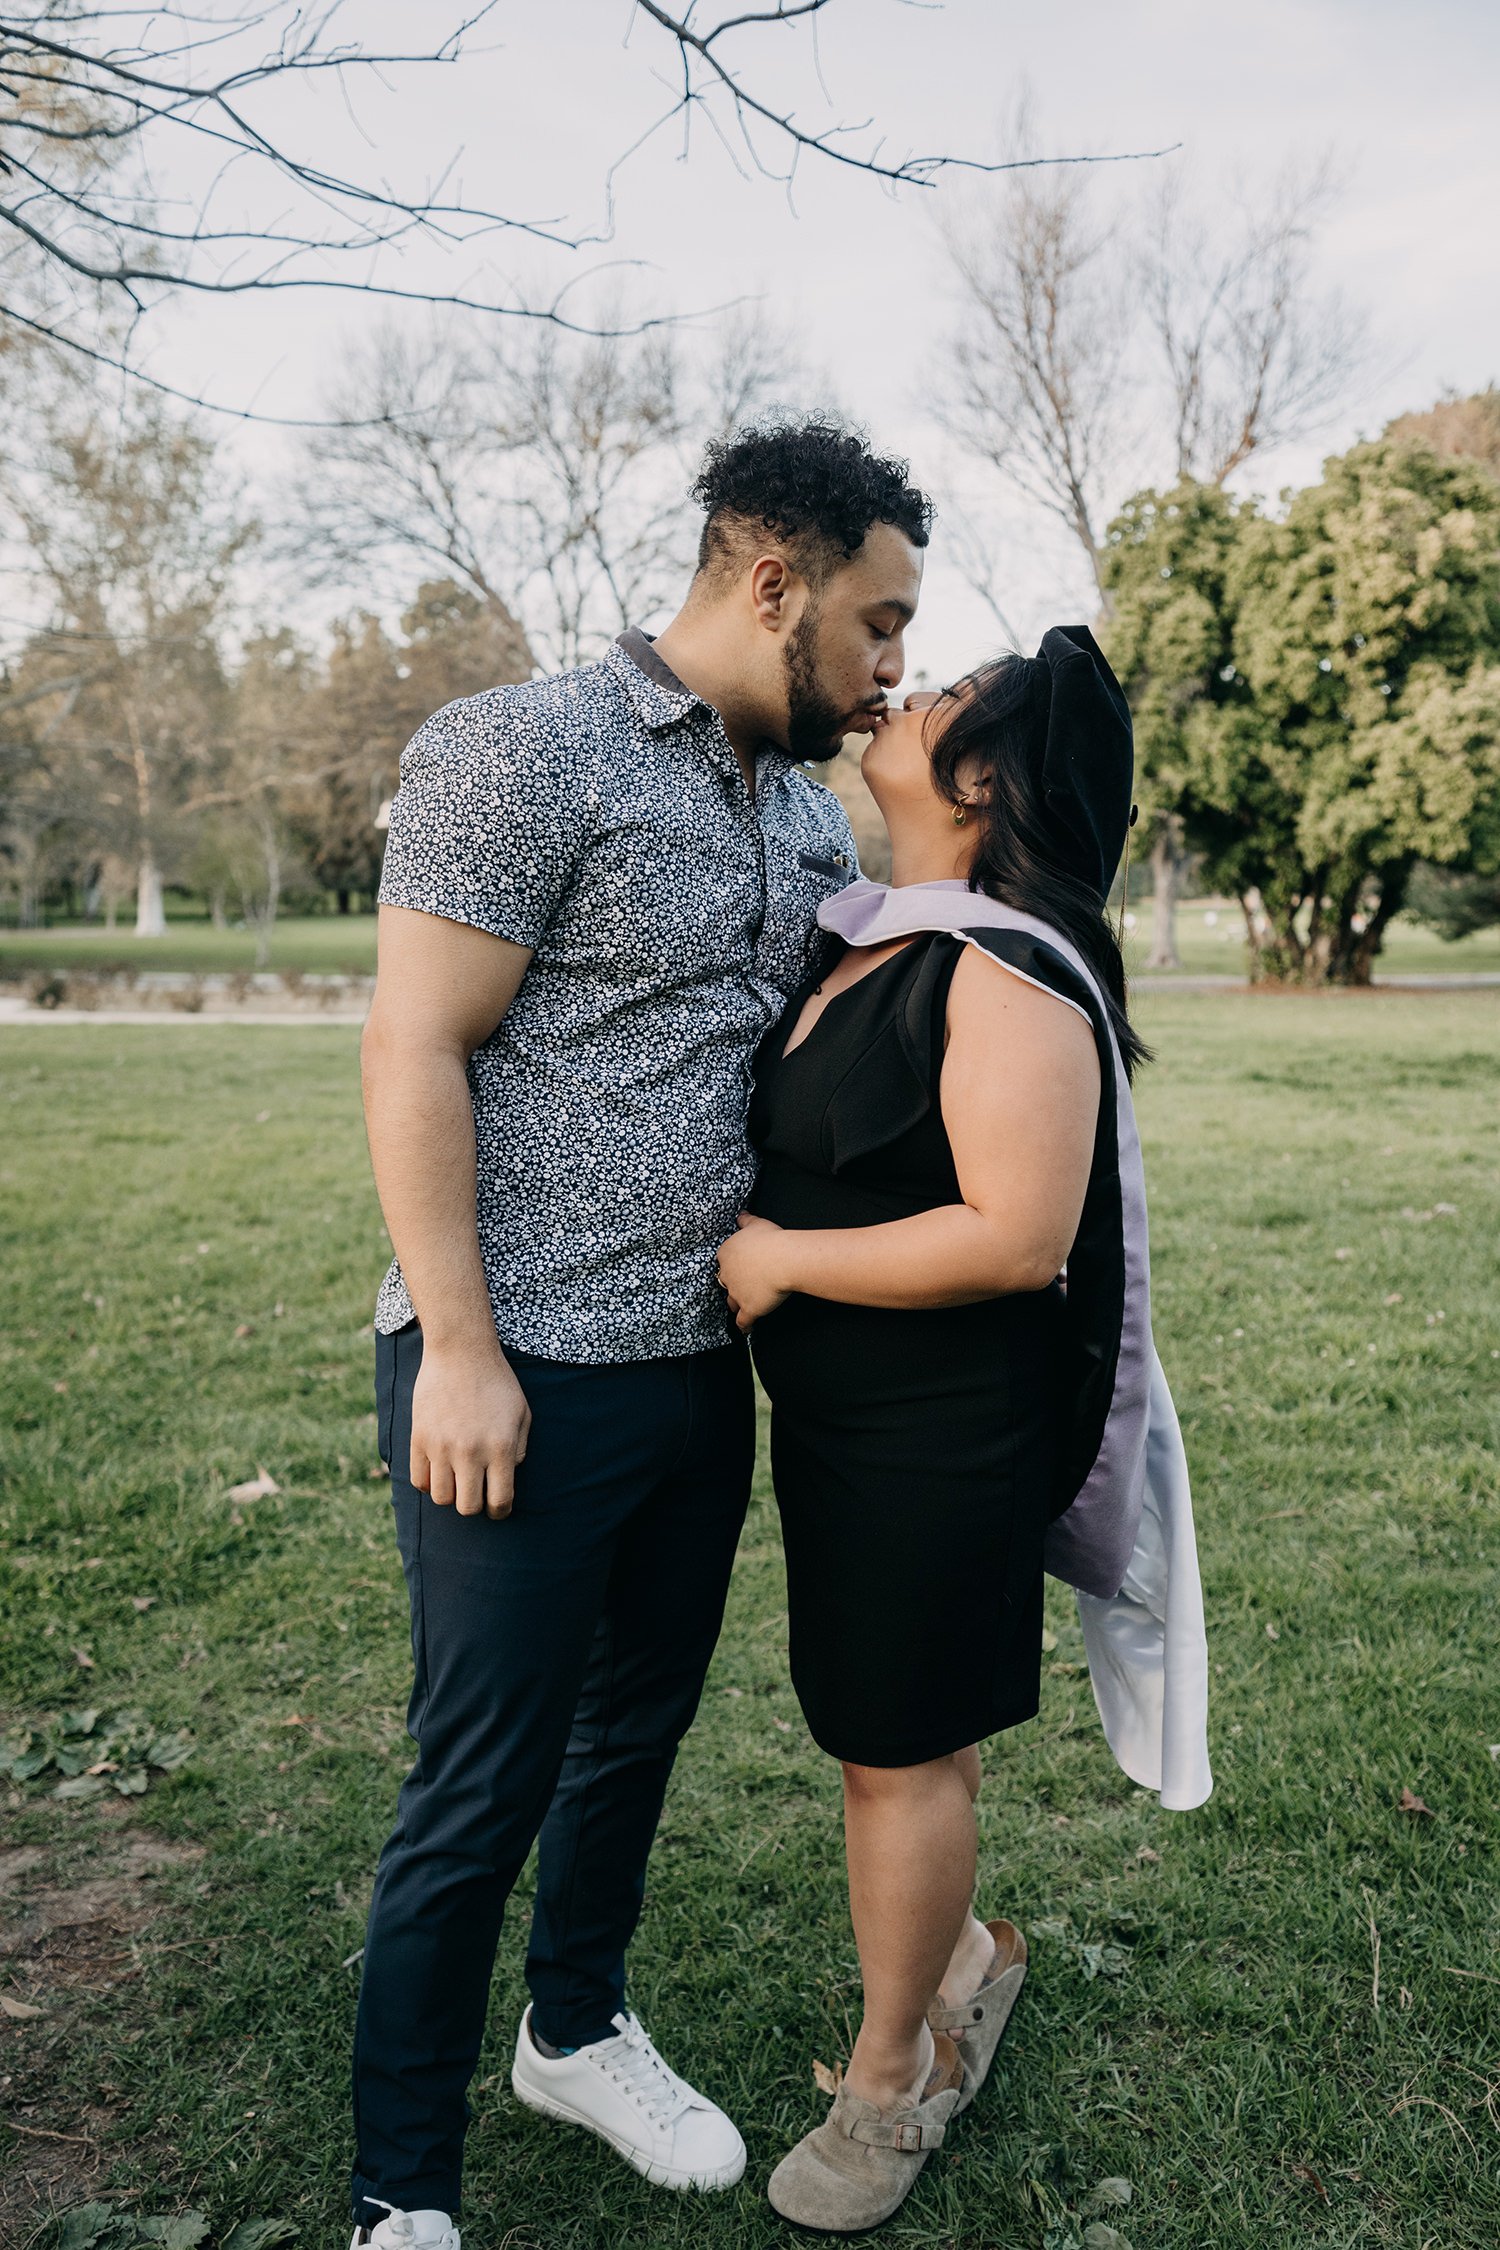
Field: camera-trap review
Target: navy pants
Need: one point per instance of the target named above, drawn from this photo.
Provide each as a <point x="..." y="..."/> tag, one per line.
<point x="559" y="1657"/>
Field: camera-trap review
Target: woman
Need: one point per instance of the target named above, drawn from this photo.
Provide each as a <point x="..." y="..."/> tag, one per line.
<point x="939" y="1127"/>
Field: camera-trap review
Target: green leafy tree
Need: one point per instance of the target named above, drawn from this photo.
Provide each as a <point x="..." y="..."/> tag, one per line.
<point x="1169" y="635"/>
<point x="1323" y="690"/>
<point x="1367" y="628"/>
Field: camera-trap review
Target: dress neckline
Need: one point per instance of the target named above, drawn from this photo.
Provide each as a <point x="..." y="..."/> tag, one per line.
<point x="796" y="1047"/>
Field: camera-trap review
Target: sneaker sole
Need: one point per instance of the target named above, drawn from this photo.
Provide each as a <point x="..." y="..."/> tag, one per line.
<point x="660" y="2175"/>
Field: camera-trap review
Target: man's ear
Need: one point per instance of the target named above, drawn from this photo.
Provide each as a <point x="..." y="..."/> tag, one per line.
<point x="771" y="582"/>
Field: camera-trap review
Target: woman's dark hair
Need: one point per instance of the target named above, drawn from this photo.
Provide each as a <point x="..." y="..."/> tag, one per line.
<point x="999" y="721"/>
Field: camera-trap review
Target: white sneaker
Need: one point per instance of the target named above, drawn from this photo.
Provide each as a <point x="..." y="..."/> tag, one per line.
<point x="407" y="2230"/>
<point x="622" y="2090"/>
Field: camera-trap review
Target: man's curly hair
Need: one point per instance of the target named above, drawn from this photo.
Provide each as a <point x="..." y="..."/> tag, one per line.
<point x="814" y="485"/>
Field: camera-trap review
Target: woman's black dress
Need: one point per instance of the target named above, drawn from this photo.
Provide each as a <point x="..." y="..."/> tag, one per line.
<point x="914" y="1452"/>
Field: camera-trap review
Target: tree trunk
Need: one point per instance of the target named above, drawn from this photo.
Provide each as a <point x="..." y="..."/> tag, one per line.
<point x="343" y="899"/>
<point x="150" y="912"/>
<point x="265" y="920"/>
<point x="1168" y="860"/>
<point x="1354" y="955"/>
<point x="216" y="914"/>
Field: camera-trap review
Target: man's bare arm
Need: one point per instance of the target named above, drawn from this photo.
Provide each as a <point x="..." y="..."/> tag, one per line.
<point x="441" y="990"/>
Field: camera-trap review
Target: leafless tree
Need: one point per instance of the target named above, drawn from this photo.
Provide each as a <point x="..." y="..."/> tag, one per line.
<point x="1252" y="351"/>
<point x="544" y="471"/>
<point x="139" y="160"/>
<point x="1053" y="386"/>
<point x="1034" y="382"/>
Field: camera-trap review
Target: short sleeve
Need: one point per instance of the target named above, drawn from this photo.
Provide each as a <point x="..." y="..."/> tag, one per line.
<point x="484" y="826"/>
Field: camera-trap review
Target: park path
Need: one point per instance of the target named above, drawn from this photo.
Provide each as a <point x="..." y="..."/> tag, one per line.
<point x="17" y="1011"/>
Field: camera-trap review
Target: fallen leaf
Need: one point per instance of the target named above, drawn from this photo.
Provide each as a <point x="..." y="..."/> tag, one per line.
<point x="1110" y="2193"/>
<point x="1494" y="1749"/>
<point x="381" y="1469"/>
<point x="261" y="1487"/>
<point x="737" y="1692"/>
<point x="1273" y="1632"/>
<point x="20" y="2011"/>
<point x="61" y="1389"/>
<point x="182" y="2232"/>
<point x="782" y="1726"/>
<point x="1395" y="1298"/>
<point x="1146" y="1853"/>
<point x="262" y="1117"/>
<point x="1341" y="1255"/>
<point x="1049" y="1640"/>
<point x="140" y="1603"/>
<point x="258" y="2234"/>
<point x="296" y="1720"/>
<point x="1413" y="1804"/>
<point x="828" y="2081"/>
<point x="88" y="2223"/>
<point x="83" y="1660"/>
<point x="242" y="1331"/>
<point x="1306" y="2172"/>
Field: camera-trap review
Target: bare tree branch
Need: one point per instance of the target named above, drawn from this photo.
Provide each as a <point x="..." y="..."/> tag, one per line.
<point x="714" y="75"/>
<point x="98" y="103"/>
<point x="1254" y="354"/>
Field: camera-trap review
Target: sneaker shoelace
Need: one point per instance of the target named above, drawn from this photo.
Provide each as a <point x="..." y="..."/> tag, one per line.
<point x="635" y="2066"/>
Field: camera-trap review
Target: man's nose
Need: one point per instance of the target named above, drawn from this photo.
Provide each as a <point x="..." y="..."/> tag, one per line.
<point x="891" y="665"/>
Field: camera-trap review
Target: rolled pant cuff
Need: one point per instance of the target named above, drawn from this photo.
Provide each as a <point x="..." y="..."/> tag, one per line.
<point x="438" y="2192"/>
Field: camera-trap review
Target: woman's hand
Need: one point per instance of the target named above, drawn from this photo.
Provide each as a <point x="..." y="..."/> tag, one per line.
<point x="750" y="1268"/>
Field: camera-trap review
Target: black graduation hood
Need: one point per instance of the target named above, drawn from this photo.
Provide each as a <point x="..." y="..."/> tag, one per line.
<point x="1088" y="763"/>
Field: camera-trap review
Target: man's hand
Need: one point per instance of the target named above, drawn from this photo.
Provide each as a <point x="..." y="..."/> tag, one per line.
<point x="469" y="1425"/>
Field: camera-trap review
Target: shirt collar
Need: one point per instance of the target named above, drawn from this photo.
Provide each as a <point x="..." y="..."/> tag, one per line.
<point x="659" y="697"/>
<point x="661" y="700"/>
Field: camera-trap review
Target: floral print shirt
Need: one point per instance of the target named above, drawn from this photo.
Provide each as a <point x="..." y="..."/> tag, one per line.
<point x="600" y="818"/>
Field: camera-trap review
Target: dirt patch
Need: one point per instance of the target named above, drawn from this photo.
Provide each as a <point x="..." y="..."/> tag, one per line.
<point x="72" y="1928"/>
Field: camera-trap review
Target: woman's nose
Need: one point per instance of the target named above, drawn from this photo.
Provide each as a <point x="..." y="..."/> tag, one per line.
<point x="921" y="699"/>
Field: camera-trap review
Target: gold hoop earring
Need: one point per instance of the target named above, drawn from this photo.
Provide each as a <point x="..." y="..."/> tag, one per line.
<point x="960" y="815"/>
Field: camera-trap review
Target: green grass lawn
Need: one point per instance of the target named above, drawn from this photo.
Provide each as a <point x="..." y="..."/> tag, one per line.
<point x="1300" y="2045"/>
<point x="1211" y="941"/>
<point x="317" y="944"/>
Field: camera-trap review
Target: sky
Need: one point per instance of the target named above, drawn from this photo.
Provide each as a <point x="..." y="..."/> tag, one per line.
<point x="546" y="97"/>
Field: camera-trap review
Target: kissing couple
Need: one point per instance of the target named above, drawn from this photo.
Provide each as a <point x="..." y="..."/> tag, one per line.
<point x="654" y="1083"/>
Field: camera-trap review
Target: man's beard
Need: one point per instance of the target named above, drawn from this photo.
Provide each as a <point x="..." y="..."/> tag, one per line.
<point x="815" y="725"/>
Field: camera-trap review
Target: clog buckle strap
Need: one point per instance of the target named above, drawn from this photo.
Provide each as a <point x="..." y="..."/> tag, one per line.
<point x="908" y="2134"/>
<point x="956" y="2019"/>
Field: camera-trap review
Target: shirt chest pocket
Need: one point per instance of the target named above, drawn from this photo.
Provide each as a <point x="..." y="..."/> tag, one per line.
<point x="799" y="877"/>
<point x="835" y="867"/>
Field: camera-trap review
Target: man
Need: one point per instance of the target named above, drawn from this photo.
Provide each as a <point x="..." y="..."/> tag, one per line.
<point x="599" y="891"/>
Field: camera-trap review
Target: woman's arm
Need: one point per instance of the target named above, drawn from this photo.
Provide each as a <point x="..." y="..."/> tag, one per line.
<point x="1020" y="1098"/>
